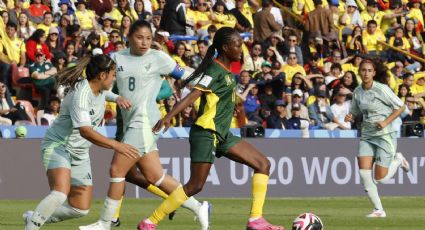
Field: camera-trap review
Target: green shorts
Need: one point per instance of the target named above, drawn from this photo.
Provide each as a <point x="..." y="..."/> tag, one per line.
<point x="59" y="157"/>
<point x="142" y="139"/>
<point x="204" y="144"/>
<point x="381" y="148"/>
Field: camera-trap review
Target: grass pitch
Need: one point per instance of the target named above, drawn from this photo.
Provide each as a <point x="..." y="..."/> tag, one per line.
<point x="403" y="213"/>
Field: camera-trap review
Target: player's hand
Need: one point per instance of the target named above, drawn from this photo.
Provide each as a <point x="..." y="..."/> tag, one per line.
<point x="164" y="122"/>
<point x="126" y="150"/>
<point x="381" y="124"/>
<point x="123" y="103"/>
<point x="349" y="118"/>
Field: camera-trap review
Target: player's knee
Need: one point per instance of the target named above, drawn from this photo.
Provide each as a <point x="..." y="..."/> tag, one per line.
<point x="263" y="166"/>
<point x="115" y="171"/>
<point x="156" y="179"/>
<point x="192" y="189"/>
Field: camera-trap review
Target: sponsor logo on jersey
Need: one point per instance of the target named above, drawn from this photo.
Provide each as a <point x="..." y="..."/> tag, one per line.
<point x="120" y="69"/>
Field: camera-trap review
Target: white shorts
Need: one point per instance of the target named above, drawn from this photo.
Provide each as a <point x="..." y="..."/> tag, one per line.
<point x="141" y="138"/>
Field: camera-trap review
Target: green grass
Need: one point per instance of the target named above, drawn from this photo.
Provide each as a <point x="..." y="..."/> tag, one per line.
<point x="228" y="214"/>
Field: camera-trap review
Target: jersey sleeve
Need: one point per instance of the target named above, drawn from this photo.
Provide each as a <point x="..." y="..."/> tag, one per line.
<point x="390" y="98"/>
<point x="169" y="66"/>
<point x="80" y="109"/>
<point x="205" y="83"/>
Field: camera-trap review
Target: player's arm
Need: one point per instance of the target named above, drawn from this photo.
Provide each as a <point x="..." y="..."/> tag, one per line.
<point x="121" y="101"/>
<point x="188" y="100"/>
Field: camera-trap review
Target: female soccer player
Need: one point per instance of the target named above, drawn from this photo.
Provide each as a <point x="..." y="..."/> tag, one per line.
<point x="210" y="135"/>
<point x="139" y="78"/>
<point x="379" y="107"/>
<point x="65" y="148"/>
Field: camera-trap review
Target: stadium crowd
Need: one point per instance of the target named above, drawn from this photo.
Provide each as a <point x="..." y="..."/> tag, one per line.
<point x="300" y="58"/>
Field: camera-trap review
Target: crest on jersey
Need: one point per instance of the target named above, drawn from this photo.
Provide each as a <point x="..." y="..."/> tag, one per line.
<point x="148" y="67"/>
<point x="228" y="79"/>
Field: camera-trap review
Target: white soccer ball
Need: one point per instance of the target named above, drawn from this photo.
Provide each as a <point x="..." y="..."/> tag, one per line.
<point x="307" y="221"/>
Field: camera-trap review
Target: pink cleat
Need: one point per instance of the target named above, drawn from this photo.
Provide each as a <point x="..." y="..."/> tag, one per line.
<point x="146" y="225"/>
<point x="262" y="224"/>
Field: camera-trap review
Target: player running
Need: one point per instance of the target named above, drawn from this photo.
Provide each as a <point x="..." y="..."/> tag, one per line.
<point x="379" y="107"/>
<point x="210" y="136"/>
<point x="140" y="72"/>
<point x="65" y="147"/>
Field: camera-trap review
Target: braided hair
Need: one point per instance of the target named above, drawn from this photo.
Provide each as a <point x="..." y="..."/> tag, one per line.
<point x="222" y="37"/>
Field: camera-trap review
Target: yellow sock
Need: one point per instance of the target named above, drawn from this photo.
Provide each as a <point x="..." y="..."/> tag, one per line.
<point x="117" y="213"/>
<point x="173" y="201"/>
<point x="259" y="190"/>
<point x="157" y="191"/>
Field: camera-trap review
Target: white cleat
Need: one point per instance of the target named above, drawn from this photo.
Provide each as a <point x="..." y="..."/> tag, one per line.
<point x="377" y="214"/>
<point x="95" y="226"/>
<point x="27" y="216"/>
<point x="404" y="163"/>
<point x="204" y="215"/>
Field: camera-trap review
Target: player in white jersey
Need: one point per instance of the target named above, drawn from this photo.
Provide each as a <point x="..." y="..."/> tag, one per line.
<point x="140" y="72"/>
<point x="379" y="107"/>
<point x="65" y="147"/>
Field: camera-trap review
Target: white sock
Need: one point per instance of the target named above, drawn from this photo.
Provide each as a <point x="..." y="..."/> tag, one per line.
<point x="192" y="204"/>
<point x="45" y="209"/>
<point x="66" y="212"/>
<point x="109" y="208"/>
<point x="370" y="188"/>
<point x="253" y="219"/>
<point x="395" y="163"/>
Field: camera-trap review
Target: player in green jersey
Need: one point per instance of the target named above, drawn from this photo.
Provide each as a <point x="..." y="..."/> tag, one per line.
<point x="65" y="147"/>
<point x="379" y="107"/>
<point x="210" y="136"/>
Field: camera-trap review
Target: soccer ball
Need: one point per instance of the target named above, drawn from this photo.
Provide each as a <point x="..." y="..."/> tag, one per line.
<point x="307" y="221"/>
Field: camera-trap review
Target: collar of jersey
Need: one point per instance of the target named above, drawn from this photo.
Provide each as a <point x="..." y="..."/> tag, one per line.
<point x="222" y="65"/>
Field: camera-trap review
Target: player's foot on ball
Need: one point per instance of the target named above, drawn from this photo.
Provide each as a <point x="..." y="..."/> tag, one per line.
<point x="95" y="226"/>
<point x="377" y="214"/>
<point x="171" y="215"/>
<point x="116" y="223"/>
<point x="27" y="216"/>
<point x="203" y="216"/>
<point x="404" y="163"/>
<point x="262" y="224"/>
<point x="146" y="224"/>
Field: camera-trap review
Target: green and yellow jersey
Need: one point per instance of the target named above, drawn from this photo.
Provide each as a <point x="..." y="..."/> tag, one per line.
<point x="218" y="100"/>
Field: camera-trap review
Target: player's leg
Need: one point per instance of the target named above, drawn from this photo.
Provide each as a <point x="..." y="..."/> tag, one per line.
<point x="366" y="158"/>
<point x="388" y="161"/>
<point x="244" y="153"/>
<point x="80" y="196"/>
<point x="57" y="163"/>
<point x="202" y="144"/>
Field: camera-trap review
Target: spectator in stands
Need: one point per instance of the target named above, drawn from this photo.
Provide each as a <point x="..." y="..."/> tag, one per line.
<point x="125" y="28"/>
<point x="42" y="72"/>
<point x="349" y="81"/>
<point x="107" y="23"/>
<point x="169" y="103"/>
<point x="156" y="20"/>
<point x="37" y="39"/>
<point x="25" y="29"/>
<point x="51" y="112"/>
<point x="272" y="55"/>
<point x="320" y="22"/>
<point x="277" y="119"/>
<point x="221" y="16"/>
<point x="267" y="100"/>
<point x="108" y="47"/>
<point x="162" y="42"/>
<point x="350" y="18"/>
<point x="292" y="67"/>
<point x="53" y="42"/>
<point x="401" y="42"/>
<point x="86" y="18"/>
<point x="70" y="52"/>
<point x="252" y="103"/>
<point x="354" y="41"/>
<point x="321" y="115"/>
<point x="92" y="42"/>
<point x="37" y="10"/>
<point x="60" y="61"/>
<point x="243" y="16"/>
<point x="341" y="107"/>
<point x="179" y="54"/>
<point x="142" y="13"/>
<point x="203" y="11"/>
<point x="174" y="17"/>
<point x="291" y="46"/>
<point x="10" y="112"/>
<point x="408" y="80"/>
<point x="4" y="16"/>
<point x="404" y="92"/>
<point x="64" y="22"/>
<point x="398" y="69"/>
<point x="188" y="116"/>
<point x="297" y="98"/>
<point x="198" y="57"/>
<point x="415" y="39"/>
<point x="300" y="82"/>
<point x="296" y="121"/>
<point x="16" y="12"/>
<point x="47" y="22"/>
<point x="371" y="37"/>
<point x="253" y="61"/>
<point x="12" y="52"/>
<point x="312" y="67"/>
<point x="265" y="23"/>
<point x="100" y="7"/>
<point x="65" y="8"/>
